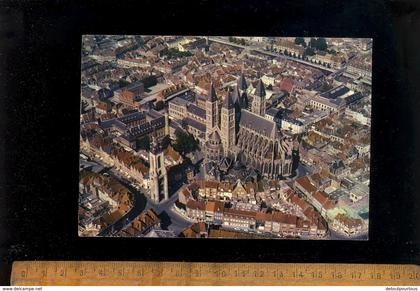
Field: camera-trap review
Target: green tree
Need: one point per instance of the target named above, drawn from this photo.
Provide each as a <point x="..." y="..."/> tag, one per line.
<point x="300" y="41"/>
<point x="185" y="143"/>
<point x="159" y="105"/>
<point x="149" y="81"/>
<point x="312" y="42"/>
<point x="322" y="44"/>
<point x="122" y="83"/>
<point x="166" y="141"/>
<point x="144" y="143"/>
<point x="318" y="44"/>
<point x="309" y="51"/>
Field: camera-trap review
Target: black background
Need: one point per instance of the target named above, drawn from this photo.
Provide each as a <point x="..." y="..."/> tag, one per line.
<point x="40" y="45"/>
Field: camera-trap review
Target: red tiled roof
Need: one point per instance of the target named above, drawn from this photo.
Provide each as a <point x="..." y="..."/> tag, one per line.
<point x="306" y="184"/>
<point x="193" y="204"/>
<point x="324" y="200"/>
<point x="350" y="222"/>
<point x="239" y="213"/>
<point x="286" y="85"/>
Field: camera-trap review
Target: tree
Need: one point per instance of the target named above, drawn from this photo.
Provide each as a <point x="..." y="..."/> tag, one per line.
<point x="144" y="143"/>
<point x="149" y="81"/>
<point x="159" y="105"/>
<point x="286" y="53"/>
<point x="166" y="141"/>
<point x="318" y="44"/>
<point x="122" y="83"/>
<point x="322" y="44"/>
<point x="309" y="51"/>
<point x="185" y="143"/>
<point x="312" y="42"/>
<point x="300" y="41"/>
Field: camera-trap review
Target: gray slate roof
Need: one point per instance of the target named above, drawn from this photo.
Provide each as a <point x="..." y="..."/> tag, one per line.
<point x="198" y="125"/>
<point x="212" y="94"/>
<point x="259" y="90"/>
<point x="242" y="82"/>
<point x="235" y="95"/>
<point x="198" y="111"/>
<point x="258" y="123"/>
<point x="228" y="102"/>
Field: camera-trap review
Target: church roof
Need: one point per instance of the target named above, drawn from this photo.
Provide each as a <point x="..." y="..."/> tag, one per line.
<point x="244" y="100"/>
<point x="242" y="82"/>
<point x="225" y="164"/>
<point x="214" y="136"/>
<point x="258" y="123"/>
<point x="235" y="95"/>
<point x="212" y="94"/>
<point x="228" y="102"/>
<point x="259" y="90"/>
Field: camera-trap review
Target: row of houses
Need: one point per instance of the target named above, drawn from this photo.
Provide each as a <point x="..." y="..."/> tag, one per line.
<point x="319" y="199"/>
<point x="276" y="222"/>
<point x="128" y="163"/>
<point x="222" y="191"/>
<point x="142" y="224"/>
<point x="206" y="201"/>
<point x="323" y="203"/>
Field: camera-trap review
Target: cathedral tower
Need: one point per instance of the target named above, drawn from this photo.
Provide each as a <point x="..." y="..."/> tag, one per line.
<point x="157" y="171"/>
<point x="227" y="124"/>
<point x="258" y="101"/>
<point x="211" y="110"/>
<point x="241" y="88"/>
<point x="242" y="85"/>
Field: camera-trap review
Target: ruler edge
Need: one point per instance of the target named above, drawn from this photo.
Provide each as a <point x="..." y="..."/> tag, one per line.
<point x="17" y="264"/>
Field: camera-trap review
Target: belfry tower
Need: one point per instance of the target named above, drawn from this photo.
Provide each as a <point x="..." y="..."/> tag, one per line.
<point x="258" y="102"/>
<point x="157" y="171"/>
<point x="227" y="124"/>
<point x="212" y="108"/>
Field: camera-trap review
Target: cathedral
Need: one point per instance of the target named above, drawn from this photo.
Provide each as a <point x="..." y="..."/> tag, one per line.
<point x="238" y="132"/>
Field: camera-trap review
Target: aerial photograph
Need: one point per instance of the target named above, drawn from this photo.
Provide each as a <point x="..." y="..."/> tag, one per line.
<point x="225" y="137"/>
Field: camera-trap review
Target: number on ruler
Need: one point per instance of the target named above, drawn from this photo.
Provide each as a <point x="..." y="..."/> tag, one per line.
<point x="337" y="275"/>
<point x="316" y="275"/>
<point x="298" y="274"/>
<point x="356" y="275"/>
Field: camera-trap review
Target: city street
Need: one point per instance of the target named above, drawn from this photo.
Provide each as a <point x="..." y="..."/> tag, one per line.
<point x="302" y="170"/>
<point x="139" y="205"/>
<point x="139" y="201"/>
<point x="170" y="219"/>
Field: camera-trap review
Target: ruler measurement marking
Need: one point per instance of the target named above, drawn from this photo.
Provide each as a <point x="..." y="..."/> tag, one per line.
<point x="158" y="273"/>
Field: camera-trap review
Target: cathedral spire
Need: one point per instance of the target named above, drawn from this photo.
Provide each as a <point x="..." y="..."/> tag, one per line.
<point x="235" y="95"/>
<point x="228" y="102"/>
<point x="259" y="90"/>
<point x="242" y="85"/>
<point x="212" y="94"/>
